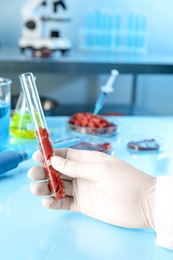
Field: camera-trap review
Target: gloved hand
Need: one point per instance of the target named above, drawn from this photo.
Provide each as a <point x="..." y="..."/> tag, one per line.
<point x="100" y="186"/>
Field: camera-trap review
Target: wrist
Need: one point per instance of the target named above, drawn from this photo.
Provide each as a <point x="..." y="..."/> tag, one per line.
<point x="164" y="211"/>
<point x="151" y="201"/>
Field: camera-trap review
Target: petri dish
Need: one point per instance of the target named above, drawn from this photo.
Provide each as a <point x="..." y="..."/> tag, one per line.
<point x="144" y="144"/>
<point x="94" y="144"/>
<point x="90" y="124"/>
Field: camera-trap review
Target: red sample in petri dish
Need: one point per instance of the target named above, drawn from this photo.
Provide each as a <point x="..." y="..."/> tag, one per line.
<point x="88" y="123"/>
<point x="144" y="145"/>
<point x="104" y="147"/>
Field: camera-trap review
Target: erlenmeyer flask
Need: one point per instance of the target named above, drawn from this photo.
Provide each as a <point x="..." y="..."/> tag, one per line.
<point x="21" y="125"/>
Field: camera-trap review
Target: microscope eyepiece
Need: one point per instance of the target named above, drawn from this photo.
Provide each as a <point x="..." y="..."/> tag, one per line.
<point x="54" y="34"/>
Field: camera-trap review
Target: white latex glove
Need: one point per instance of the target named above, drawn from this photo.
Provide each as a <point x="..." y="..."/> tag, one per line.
<point x="100" y="186"/>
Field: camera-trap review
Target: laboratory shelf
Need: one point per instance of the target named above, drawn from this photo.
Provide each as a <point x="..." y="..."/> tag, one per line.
<point x="11" y="60"/>
<point x="89" y="62"/>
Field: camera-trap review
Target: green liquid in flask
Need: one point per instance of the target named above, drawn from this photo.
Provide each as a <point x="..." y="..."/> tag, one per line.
<point x="21" y="125"/>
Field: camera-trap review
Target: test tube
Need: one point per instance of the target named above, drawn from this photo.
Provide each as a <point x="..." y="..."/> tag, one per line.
<point x="37" y="116"/>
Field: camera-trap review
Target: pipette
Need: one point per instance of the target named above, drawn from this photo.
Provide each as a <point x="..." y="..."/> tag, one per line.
<point x="36" y="113"/>
<point x="105" y="90"/>
<point x="11" y="159"/>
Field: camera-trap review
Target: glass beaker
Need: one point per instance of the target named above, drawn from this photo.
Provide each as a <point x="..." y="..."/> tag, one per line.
<point x="5" y="105"/>
<point x="21" y="124"/>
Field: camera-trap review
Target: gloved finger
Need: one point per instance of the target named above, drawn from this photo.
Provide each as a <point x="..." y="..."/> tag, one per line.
<point x="37" y="173"/>
<point x="68" y="188"/>
<point x="37" y="156"/>
<point x="65" y="177"/>
<point x="74" y="169"/>
<point x="65" y="204"/>
<point x="80" y="155"/>
<point x="72" y="154"/>
<point x="42" y="188"/>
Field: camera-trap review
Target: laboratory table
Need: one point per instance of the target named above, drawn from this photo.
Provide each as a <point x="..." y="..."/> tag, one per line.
<point x="28" y="231"/>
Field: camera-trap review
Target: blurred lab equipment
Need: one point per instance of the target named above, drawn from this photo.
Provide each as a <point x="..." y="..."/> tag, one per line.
<point x="105" y="90"/>
<point x="49" y="104"/>
<point x="113" y="31"/>
<point x="39" y="28"/>
<point x="21" y="125"/>
<point x="5" y="100"/>
<point x="11" y="159"/>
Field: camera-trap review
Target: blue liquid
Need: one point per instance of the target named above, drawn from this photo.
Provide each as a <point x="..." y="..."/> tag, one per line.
<point x="4" y="124"/>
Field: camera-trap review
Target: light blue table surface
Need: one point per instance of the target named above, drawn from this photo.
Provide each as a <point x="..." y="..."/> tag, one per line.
<point x="28" y="231"/>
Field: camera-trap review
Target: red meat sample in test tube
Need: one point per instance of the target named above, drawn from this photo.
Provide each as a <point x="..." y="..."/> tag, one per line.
<point x="55" y="182"/>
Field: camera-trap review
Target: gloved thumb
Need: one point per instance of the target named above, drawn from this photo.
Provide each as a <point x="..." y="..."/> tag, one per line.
<point x="77" y="169"/>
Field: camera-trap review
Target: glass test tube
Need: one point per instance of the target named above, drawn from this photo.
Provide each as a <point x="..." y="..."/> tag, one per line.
<point x="37" y="116"/>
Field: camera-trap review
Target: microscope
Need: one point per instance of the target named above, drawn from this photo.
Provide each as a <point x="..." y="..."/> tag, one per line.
<point x="40" y="31"/>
